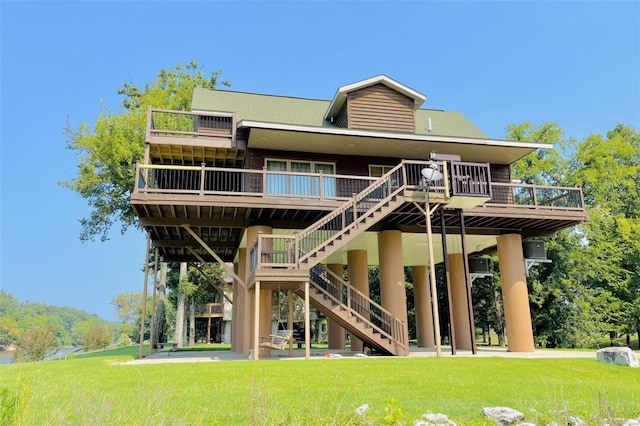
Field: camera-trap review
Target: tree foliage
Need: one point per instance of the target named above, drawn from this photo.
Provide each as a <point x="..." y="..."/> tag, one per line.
<point x="97" y="337"/>
<point x="108" y="150"/>
<point x="36" y="342"/>
<point x="592" y="286"/>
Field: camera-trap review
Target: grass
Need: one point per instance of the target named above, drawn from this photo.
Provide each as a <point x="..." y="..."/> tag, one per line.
<point x="96" y="389"/>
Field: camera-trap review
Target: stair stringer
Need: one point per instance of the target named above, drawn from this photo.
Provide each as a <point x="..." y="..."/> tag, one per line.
<point x="388" y="336"/>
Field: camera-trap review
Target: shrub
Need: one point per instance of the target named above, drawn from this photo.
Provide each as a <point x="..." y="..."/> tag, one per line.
<point x="97" y="337"/>
<point x="36" y="342"/>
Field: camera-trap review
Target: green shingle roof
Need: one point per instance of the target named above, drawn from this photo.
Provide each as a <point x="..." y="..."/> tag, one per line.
<point x="310" y="112"/>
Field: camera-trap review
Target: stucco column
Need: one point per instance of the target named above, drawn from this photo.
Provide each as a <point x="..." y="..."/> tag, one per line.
<point x="359" y="278"/>
<point x="422" y="304"/>
<point x="514" y="293"/>
<point x="335" y="332"/>
<point x="459" y="306"/>
<point x="234" y="310"/>
<point x="242" y="306"/>
<point x="265" y="296"/>
<point x="392" y="289"/>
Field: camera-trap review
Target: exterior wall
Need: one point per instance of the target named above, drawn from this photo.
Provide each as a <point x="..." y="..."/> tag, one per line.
<point x="341" y="119"/>
<point x="378" y="107"/>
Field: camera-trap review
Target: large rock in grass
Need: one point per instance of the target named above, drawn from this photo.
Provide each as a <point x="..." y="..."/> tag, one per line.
<point x="503" y="415"/>
<point x="620" y="356"/>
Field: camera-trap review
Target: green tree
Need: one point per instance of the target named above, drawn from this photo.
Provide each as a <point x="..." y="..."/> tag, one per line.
<point x="97" y="337"/>
<point x="36" y="342"/>
<point x="109" y="149"/>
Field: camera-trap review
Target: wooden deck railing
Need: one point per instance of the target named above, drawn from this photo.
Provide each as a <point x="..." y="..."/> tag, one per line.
<point x="528" y="196"/>
<point x="209" y="310"/>
<point x="183" y="124"/>
<point x="203" y="180"/>
<point x="359" y="305"/>
<point x="287" y="251"/>
<point x="470" y="179"/>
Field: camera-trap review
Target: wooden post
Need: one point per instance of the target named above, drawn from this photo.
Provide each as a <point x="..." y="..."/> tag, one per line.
<point x="290" y="322"/>
<point x="153" y="337"/>
<point x="307" y="323"/>
<point x="256" y="321"/>
<point x="143" y="314"/>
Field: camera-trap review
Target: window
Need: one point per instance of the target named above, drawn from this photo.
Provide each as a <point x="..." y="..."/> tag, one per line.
<point x="376" y="170"/>
<point x="299" y="178"/>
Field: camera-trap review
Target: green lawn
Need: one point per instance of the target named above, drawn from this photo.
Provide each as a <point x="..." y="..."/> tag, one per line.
<point x="97" y="390"/>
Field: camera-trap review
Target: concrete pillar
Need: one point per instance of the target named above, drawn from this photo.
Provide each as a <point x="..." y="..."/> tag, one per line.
<point x="392" y="289"/>
<point x="264" y="297"/>
<point x="514" y="294"/>
<point x="358" y="268"/>
<point x="335" y="333"/>
<point x="422" y="304"/>
<point x="460" y="311"/>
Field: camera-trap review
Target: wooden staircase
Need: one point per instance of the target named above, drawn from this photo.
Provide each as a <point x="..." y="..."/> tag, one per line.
<point x="357" y="313"/>
<point x="330" y="294"/>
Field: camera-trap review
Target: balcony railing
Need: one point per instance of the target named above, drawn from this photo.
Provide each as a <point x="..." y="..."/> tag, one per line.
<point x="220" y="181"/>
<point x="209" y="310"/>
<point x="182" y="124"/>
<point x="509" y="195"/>
<point x="470" y="179"/>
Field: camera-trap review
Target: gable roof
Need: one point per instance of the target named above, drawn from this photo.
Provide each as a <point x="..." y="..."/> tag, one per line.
<point x="311" y="112"/>
<point x="341" y="94"/>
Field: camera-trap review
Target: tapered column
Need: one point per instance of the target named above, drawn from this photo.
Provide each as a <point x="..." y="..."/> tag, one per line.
<point x="392" y="287"/>
<point x="359" y="278"/>
<point x="514" y="293"/>
<point x="264" y="297"/>
<point x="422" y="303"/>
<point x="459" y="301"/>
<point x="336" y="333"/>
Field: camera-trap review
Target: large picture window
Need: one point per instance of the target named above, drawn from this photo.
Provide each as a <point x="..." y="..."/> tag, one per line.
<point x="298" y="178"/>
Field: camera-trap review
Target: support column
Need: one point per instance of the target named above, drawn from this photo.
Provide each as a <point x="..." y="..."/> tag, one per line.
<point x="335" y="333"/>
<point x="459" y="301"/>
<point x="393" y="294"/>
<point x="256" y="321"/>
<point x="307" y="323"/>
<point x="514" y="294"/>
<point x="243" y="306"/>
<point x="422" y="303"/>
<point x="358" y="269"/>
<point x="250" y="339"/>
<point x="235" y="310"/>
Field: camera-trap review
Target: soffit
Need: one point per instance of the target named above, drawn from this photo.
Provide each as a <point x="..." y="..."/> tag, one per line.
<point x="378" y="144"/>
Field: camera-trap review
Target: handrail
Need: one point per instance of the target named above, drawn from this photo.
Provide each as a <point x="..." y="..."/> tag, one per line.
<point x="354" y="211"/>
<point x="535" y="196"/>
<point x="221" y="181"/>
<point x="359" y="305"/>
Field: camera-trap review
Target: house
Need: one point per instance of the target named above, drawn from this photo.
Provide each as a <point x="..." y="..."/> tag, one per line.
<point x="303" y="195"/>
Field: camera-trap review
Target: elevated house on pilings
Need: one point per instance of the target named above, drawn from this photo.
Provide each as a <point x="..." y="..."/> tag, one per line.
<point x="303" y="195"/>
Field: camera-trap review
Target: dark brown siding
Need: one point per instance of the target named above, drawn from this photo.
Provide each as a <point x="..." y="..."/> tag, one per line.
<point x="341" y="119"/>
<point x="380" y="108"/>
<point x="500" y="173"/>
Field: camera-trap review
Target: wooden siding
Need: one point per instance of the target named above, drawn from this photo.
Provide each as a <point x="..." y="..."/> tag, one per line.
<point x="341" y="119"/>
<point x="380" y="108"/>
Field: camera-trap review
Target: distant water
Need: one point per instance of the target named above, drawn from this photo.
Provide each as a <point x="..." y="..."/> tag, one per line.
<point x="6" y="357"/>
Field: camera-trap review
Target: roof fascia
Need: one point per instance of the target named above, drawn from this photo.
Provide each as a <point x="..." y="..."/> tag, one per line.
<point x="341" y="93"/>
<point x="400" y="136"/>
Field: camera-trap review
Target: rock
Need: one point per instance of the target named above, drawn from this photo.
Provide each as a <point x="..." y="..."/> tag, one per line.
<point x="503" y="415"/>
<point x="362" y="410"/>
<point x="616" y="355"/>
<point x="431" y="419"/>
<point x="526" y="424"/>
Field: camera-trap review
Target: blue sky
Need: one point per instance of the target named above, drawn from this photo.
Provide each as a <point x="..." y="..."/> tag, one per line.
<point x="577" y="63"/>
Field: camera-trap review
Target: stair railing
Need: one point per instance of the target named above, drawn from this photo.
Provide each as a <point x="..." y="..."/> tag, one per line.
<point x="353" y="212"/>
<point x="357" y="304"/>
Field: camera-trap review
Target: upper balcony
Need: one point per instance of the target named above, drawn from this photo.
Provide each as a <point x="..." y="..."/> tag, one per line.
<point x="178" y="136"/>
